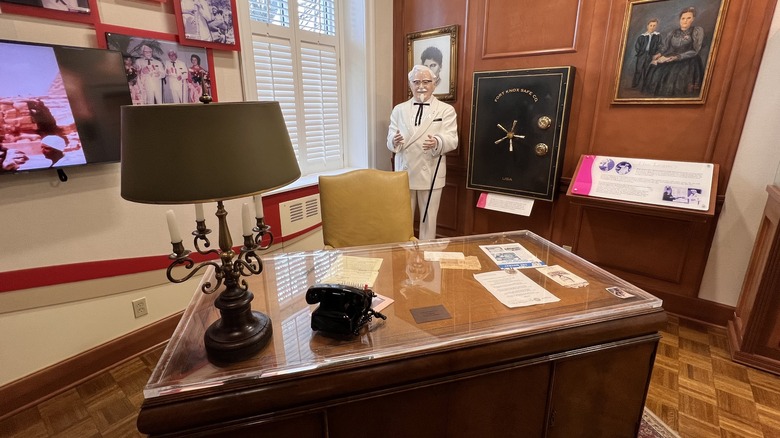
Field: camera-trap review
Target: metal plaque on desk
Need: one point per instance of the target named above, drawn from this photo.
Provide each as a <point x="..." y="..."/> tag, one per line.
<point x="518" y="130"/>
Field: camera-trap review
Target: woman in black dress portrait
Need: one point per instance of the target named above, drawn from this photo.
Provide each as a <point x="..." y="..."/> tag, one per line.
<point x="677" y="70"/>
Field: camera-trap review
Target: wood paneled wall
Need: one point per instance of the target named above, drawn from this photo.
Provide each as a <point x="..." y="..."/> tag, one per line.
<point x="664" y="254"/>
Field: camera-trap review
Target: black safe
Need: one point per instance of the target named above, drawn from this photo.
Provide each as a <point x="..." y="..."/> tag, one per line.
<point x="518" y="131"/>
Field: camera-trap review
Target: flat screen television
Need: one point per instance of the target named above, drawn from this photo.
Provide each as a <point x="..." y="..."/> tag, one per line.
<point x="59" y="106"/>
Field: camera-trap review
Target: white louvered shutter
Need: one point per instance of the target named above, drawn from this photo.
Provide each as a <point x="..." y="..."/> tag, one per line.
<point x="270" y="11"/>
<point x="319" y="76"/>
<point x="275" y="79"/>
<point x="296" y="62"/>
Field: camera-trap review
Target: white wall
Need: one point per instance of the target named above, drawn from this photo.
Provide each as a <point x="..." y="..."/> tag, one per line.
<point x="754" y="168"/>
<point x="46" y="222"/>
<point x="58" y="322"/>
<point x="35" y="338"/>
<point x="381" y="73"/>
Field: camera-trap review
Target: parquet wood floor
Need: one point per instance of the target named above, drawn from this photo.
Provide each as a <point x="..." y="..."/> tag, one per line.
<point x="696" y="389"/>
<point x="700" y="392"/>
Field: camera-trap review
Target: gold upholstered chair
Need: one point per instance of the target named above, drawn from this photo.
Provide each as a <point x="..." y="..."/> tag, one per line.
<point x="366" y="207"/>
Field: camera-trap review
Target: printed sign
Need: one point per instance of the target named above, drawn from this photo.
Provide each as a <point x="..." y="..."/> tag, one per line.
<point x="668" y="183"/>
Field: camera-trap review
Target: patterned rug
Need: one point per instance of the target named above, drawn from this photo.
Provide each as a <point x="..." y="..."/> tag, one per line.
<point x="653" y="427"/>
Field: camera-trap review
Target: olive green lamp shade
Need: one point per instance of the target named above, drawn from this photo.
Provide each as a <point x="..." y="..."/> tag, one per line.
<point x="194" y="153"/>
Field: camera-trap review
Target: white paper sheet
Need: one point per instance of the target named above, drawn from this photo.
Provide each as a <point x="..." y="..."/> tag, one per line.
<point x="435" y="256"/>
<point x="505" y="203"/>
<point x="514" y="289"/>
<point x="354" y="271"/>
<point x="470" y="263"/>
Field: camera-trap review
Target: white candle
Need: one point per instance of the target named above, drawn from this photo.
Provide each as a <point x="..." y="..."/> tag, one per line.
<point x="199" y="213"/>
<point x="258" y="206"/>
<point x="173" y="228"/>
<point x="246" y="219"/>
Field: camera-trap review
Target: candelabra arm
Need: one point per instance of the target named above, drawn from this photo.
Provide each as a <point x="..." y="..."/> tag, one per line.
<point x="201" y="235"/>
<point x="188" y="263"/>
<point x="263" y="230"/>
<point x="249" y="263"/>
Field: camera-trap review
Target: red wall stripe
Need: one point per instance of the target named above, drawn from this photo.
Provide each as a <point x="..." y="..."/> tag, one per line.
<point x="68" y="273"/>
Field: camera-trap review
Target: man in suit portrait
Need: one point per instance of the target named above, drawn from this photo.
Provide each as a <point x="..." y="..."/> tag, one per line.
<point x="176" y="77"/>
<point x="150" y="74"/>
<point x="421" y="131"/>
<point x="647" y="45"/>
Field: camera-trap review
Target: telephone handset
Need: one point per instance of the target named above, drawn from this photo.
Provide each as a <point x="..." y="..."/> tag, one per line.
<point x="343" y="309"/>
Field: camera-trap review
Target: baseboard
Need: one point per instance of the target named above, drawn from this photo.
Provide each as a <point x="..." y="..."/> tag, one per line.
<point x="51" y="381"/>
<point x="696" y="308"/>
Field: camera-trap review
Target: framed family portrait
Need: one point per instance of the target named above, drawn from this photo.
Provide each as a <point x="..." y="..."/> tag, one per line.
<point x="158" y="69"/>
<point x="438" y="50"/>
<point x="79" y="11"/>
<point x="207" y="23"/>
<point x="667" y="51"/>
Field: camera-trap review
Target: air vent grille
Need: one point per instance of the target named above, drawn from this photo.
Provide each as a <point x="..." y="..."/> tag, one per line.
<point x="299" y="214"/>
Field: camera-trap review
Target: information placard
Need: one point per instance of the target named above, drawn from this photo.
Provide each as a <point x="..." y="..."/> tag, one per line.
<point x="667" y="183"/>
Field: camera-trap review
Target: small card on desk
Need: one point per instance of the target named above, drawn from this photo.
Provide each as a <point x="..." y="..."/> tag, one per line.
<point x="428" y="314"/>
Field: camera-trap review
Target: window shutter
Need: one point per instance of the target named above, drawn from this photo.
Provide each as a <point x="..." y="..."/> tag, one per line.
<point x="270" y="11"/>
<point x="319" y="76"/>
<point x="275" y="79"/>
<point x="317" y="16"/>
<point x="295" y="51"/>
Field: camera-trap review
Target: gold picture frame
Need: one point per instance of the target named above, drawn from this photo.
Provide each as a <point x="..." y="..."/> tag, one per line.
<point x="440" y="49"/>
<point x="667" y="51"/>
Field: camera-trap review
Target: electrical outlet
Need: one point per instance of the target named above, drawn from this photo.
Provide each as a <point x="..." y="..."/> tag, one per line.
<point x="139" y="307"/>
<point x="567" y="247"/>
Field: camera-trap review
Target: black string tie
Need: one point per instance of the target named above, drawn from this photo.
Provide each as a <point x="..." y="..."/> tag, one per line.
<point x="418" y="117"/>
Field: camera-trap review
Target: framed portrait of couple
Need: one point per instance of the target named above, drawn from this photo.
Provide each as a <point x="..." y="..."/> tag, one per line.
<point x="438" y="50"/>
<point x="667" y="51"/>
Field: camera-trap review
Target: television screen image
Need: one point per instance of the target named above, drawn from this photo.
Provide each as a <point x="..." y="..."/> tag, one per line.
<point x="59" y="106"/>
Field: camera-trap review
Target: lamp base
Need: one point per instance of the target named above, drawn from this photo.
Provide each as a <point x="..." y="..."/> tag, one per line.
<point x="240" y="333"/>
<point x="225" y="346"/>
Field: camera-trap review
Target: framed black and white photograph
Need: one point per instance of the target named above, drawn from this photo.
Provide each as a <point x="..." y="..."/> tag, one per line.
<point x="667" y="51"/>
<point x="159" y="70"/>
<point x="207" y="23"/>
<point x="79" y="11"/>
<point x="438" y="50"/>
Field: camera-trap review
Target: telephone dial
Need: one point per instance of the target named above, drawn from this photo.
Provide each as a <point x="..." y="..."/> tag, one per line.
<point x="343" y="309"/>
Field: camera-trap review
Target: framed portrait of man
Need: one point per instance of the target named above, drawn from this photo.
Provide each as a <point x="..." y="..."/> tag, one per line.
<point x="437" y="49"/>
<point x="667" y="50"/>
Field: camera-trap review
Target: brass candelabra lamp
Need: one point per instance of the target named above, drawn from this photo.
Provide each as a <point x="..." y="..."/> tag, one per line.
<point x="193" y="154"/>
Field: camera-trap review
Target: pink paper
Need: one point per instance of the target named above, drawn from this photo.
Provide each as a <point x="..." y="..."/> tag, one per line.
<point x="583" y="180"/>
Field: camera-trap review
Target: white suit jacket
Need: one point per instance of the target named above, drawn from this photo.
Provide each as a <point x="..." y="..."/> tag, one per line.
<point x="440" y="121"/>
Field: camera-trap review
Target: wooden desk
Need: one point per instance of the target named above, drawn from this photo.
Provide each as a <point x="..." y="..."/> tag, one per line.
<point x="577" y="367"/>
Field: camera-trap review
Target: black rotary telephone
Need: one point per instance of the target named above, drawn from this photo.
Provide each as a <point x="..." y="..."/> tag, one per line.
<point x="343" y="309"/>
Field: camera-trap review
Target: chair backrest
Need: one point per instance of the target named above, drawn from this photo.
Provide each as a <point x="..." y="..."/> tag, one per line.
<point x="366" y="207"/>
